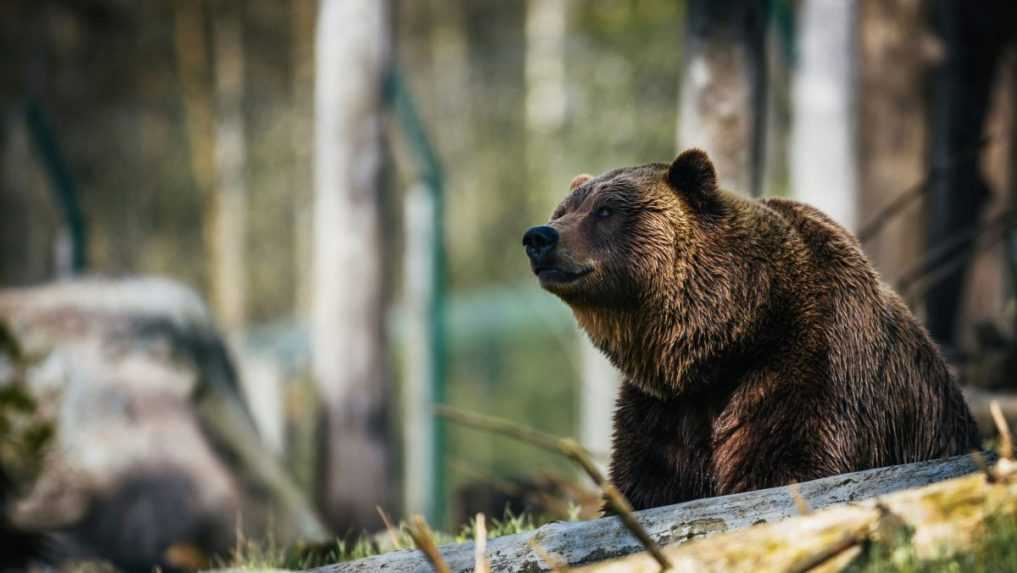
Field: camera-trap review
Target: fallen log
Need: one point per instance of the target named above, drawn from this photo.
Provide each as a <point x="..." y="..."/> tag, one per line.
<point x="938" y="520"/>
<point x="596" y="540"/>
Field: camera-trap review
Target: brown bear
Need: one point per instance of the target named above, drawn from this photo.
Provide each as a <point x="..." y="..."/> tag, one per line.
<point x="759" y="346"/>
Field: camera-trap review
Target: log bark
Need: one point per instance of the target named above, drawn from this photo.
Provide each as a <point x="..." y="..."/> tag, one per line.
<point x="596" y="540"/>
<point x="938" y="521"/>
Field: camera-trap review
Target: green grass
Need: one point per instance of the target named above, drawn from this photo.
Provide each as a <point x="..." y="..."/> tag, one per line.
<point x="259" y="556"/>
<point x="268" y="555"/>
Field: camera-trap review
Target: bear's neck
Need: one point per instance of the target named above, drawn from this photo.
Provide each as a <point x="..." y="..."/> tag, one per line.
<point x="658" y="361"/>
<point x="683" y="343"/>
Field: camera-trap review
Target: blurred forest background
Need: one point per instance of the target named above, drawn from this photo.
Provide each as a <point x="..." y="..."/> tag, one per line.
<point x="346" y="184"/>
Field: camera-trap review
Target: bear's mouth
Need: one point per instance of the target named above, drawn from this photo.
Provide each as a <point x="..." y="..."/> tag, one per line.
<point x="555" y="275"/>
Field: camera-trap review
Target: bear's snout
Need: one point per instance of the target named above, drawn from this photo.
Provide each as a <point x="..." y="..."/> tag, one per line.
<point x="539" y="242"/>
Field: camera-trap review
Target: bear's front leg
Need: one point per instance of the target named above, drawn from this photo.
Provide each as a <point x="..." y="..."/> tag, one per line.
<point x="661" y="449"/>
<point x="775" y="441"/>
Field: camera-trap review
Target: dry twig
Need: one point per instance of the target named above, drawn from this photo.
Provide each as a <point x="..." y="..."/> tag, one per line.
<point x="480" y="564"/>
<point x="422" y="538"/>
<point x="554" y="562"/>
<point x="1005" y="437"/>
<point x="796" y="495"/>
<point x="850" y="539"/>
<point x="393" y="533"/>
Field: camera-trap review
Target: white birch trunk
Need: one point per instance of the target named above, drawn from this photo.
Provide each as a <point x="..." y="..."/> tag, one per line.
<point x="546" y="106"/>
<point x="348" y="306"/>
<point x="546" y="21"/>
<point x="229" y="216"/>
<point x="713" y="114"/>
<point x="823" y="158"/>
<point x="546" y="103"/>
<point x="596" y="407"/>
<point x="723" y="87"/>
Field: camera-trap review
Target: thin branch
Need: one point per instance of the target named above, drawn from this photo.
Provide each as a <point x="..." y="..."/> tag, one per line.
<point x="913" y="294"/>
<point x="502" y="427"/>
<point x="955" y="246"/>
<point x="872" y="229"/>
<point x="570" y="449"/>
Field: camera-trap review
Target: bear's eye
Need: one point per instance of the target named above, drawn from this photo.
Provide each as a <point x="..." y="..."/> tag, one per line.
<point x="604" y="212"/>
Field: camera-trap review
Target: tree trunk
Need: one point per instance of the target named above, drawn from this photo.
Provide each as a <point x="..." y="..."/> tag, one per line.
<point x="546" y="98"/>
<point x="228" y="218"/>
<point x="974" y="37"/>
<point x="823" y="156"/>
<point x="348" y="342"/>
<point x="893" y="49"/>
<point x="546" y="22"/>
<point x="303" y="15"/>
<point x="723" y="92"/>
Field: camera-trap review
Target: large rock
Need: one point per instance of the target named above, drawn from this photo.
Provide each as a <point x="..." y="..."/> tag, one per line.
<point x="147" y="412"/>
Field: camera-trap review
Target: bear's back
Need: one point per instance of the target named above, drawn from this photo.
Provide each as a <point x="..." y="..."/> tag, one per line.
<point x="880" y="358"/>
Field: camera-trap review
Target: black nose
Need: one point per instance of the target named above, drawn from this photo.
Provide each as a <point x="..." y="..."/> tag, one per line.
<point x="539" y="241"/>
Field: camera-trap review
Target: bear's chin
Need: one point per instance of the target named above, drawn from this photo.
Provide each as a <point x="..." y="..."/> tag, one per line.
<point x="550" y="278"/>
<point x="559" y="280"/>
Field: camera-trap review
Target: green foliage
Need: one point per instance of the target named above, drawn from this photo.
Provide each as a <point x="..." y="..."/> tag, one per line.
<point x="527" y="375"/>
<point x="24" y="435"/>
<point x="624" y="67"/>
<point x="996" y="551"/>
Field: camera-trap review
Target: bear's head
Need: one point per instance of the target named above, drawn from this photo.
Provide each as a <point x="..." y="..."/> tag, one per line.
<point x="657" y="265"/>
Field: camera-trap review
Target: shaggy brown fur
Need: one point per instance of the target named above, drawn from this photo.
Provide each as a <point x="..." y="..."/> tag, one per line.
<point x="759" y="346"/>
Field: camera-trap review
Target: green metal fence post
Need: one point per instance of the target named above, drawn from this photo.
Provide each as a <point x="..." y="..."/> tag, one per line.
<point x="61" y="182"/>
<point x="433" y="176"/>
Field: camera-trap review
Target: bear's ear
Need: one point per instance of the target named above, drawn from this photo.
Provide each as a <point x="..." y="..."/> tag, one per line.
<point x="579" y="180"/>
<point x="692" y="175"/>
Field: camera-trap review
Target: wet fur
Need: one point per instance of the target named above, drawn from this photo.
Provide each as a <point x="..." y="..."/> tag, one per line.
<point x="758" y="344"/>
